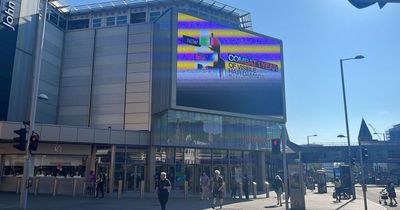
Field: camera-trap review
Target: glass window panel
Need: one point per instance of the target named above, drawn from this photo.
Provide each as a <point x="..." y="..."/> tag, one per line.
<point x="96" y="22"/>
<point x="161" y="155"/>
<point x="219" y="157"/>
<point x="78" y="24"/>
<point x="110" y="21"/>
<point x="138" y="17"/>
<point x="136" y="156"/>
<point x="122" y="20"/>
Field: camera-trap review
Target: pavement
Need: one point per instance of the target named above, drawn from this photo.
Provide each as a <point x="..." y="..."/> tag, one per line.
<point x="314" y="201"/>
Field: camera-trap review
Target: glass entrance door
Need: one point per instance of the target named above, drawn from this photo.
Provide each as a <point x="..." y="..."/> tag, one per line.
<point x="135" y="174"/>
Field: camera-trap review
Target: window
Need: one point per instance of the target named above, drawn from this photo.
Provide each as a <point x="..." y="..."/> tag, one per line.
<point x="122" y="20"/>
<point x="52" y="17"/>
<point x="138" y="17"/>
<point x="78" y="24"/>
<point x="154" y="15"/>
<point x="96" y="23"/>
<point x="62" y="23"/>
<point x="110" y="21"/>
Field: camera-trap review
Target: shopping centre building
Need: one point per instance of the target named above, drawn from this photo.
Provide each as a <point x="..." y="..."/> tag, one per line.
<point x="137" y="87"/>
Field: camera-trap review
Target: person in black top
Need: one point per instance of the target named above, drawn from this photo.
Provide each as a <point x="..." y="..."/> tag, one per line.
<point x="246" y="186"/>
<point x="162" y="189"/>
<point x="100" y="184"/>
<point x="218" y="186"/>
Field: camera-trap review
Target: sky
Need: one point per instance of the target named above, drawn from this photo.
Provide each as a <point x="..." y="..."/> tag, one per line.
<point x="316" y="34"/>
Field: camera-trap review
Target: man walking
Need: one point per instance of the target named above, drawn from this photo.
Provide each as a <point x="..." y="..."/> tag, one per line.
<point x="163" y="188"/>
<point x="205" y="182"/>
<point x="218" y="186"/>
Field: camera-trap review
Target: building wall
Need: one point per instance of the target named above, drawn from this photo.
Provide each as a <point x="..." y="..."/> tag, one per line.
<point x="138" y="80"/>
<point x="109" y="72"/>
<point x="76" y="78"/>
<point x="50" y="74"/>
<point x="106" y="76"/>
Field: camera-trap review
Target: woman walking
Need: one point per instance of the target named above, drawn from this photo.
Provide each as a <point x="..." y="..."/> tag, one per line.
<point x="162" y="189"/>
<point x="278" y="189"/>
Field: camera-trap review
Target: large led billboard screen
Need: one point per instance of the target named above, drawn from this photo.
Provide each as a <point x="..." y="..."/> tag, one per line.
<point x="229" y="70"/>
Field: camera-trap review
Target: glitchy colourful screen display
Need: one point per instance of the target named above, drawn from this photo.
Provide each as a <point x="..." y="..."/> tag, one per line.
<point x="223" y="69"/>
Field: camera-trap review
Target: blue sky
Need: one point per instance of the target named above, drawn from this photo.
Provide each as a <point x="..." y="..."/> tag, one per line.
<point x="316" y="34"/>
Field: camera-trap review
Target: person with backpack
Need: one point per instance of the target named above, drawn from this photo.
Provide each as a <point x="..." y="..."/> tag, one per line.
<point x="163" y="188"/>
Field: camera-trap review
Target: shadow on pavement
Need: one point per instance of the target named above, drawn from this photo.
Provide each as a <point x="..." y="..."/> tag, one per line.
<point x="271" y="206"/>
<point x="344" y="204"/>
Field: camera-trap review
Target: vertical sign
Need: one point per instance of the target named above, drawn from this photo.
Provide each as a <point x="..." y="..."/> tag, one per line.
<point x="8" y="40"/>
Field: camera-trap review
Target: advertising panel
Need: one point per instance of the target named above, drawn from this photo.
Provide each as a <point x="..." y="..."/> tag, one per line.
<point x="229" y="70"/>
<point x="8" y="39"/>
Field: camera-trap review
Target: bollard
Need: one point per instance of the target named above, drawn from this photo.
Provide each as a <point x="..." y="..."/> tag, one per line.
<point x="141" y="189"/>
<point x="36" y="189"/>
<point x="240" y="190"/>
<point x="55" y="187"/>
<point x="74" y="188"/>
<point x="84" y="189"/>
<point x="254" y="189"/>
<point x="266" y="189"/>
<point x="186" y="186"/>
<point x="119" y="189"/>
<point x="18" y="187"/>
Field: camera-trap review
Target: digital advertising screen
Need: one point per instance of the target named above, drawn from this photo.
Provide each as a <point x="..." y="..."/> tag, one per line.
<point x="224" y="69"/>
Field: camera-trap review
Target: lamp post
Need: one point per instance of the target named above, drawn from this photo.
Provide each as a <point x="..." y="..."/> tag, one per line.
<point x="347" y="122"/>
<point x="34" y="97"/>
<point x="383" y="134"/>
<point x="308" y="139"/>
<point x="308" y="145"/>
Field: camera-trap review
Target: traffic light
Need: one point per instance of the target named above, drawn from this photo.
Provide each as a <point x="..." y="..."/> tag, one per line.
<point x="33" y="141"/>
<point x="364" y="154"/>
<point x="21" y="139"/>
<point x="276" y="146"/>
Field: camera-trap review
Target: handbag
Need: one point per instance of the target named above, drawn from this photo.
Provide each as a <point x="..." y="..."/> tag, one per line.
<point x="334" y="195"/>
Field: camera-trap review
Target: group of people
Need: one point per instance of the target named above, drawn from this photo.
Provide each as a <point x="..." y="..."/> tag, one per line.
<point x="96" y="185"/>
<point x="163" y="187"/>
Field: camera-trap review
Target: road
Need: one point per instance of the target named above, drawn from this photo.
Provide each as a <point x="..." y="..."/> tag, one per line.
<point x="373" y="195"/>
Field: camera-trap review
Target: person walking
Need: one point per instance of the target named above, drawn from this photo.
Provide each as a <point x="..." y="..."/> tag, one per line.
<point x="278" y="189"/>
<point x="218" y="186"/>
<point x="90" y="180"/>
<point x="163" y="188"/>
<point x="338" y="189"/>
<point x="246" y="186"/>
<point x="392" y="193"/>
<point x="100" y="185"/>
<point x="233" y="187"/>
<point x="205" y="182"/>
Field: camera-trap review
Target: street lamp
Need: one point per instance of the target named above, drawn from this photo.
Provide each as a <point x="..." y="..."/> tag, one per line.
<point x="383" y="134"/>
<point x="308" y="139"/>
<point x="34" y="97"/>
<point x="308" y="145"/>
<point x="347" y="122"/>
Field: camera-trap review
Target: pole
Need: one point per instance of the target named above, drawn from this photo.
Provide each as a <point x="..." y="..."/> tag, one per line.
<point x="41" y="19"/>
<point x="348" y="133"/>
<point x="363" y="186"/>
<point x="285" y="172"/>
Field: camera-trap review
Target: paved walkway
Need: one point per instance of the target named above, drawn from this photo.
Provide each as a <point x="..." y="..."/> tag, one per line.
<point x="46" y="202"/>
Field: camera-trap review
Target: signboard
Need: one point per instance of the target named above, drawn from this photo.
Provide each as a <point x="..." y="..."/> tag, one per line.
<point x="8" y="40"/>
<point x="229" y="70"/>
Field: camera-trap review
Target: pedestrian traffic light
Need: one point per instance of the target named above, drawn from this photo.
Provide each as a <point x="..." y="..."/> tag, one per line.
<point x="364" y="153"/>
<point x="20" y="139"/>
<point x="276" y="146"/>
<point x="33" y="141"/>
